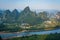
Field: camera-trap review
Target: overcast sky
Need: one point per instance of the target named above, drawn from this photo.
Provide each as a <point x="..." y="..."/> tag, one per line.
<point x="33" y="4"/>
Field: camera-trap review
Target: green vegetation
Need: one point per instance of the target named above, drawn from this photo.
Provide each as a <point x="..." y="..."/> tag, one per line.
<point x="55" y="36"/>
<point x="11" y="21"/>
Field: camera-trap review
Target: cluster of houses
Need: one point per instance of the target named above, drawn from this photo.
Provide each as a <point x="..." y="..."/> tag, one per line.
<point x="25" y="25"/>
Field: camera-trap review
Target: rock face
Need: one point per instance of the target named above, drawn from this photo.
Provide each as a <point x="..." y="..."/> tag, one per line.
<point x="26" y="16"/>
<point x="14" y="15"/>
<point x="10" y="17"/>
<point x="58" y="16"/>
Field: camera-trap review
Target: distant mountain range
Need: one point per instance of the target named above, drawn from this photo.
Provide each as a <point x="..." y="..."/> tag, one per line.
<point x="38" y="10"/>
<point x="26" y="16"/>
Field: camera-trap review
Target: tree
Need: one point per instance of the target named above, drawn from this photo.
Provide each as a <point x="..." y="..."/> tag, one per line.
<point x="0" y="38"/>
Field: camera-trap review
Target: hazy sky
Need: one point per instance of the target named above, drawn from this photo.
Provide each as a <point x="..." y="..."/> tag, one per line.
<point x="33" y="4"/>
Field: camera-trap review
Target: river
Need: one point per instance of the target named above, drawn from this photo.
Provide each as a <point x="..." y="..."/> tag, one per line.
<point x="20" y="34"/>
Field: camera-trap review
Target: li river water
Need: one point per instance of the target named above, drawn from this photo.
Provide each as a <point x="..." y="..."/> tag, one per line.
<point x="20" y="34"/>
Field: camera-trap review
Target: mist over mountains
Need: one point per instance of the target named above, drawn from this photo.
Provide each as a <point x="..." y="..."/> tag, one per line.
<point x="26" y="16"/>
<point x="13" y="21"/>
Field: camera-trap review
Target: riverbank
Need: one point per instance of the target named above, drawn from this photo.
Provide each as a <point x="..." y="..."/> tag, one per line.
<point x="26" y="31"/>
<point x="55" y="36"/>
<point x="21" y="34"/>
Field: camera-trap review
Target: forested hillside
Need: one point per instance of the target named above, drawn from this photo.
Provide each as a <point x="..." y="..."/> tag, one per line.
<point x="13" y="20"/>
